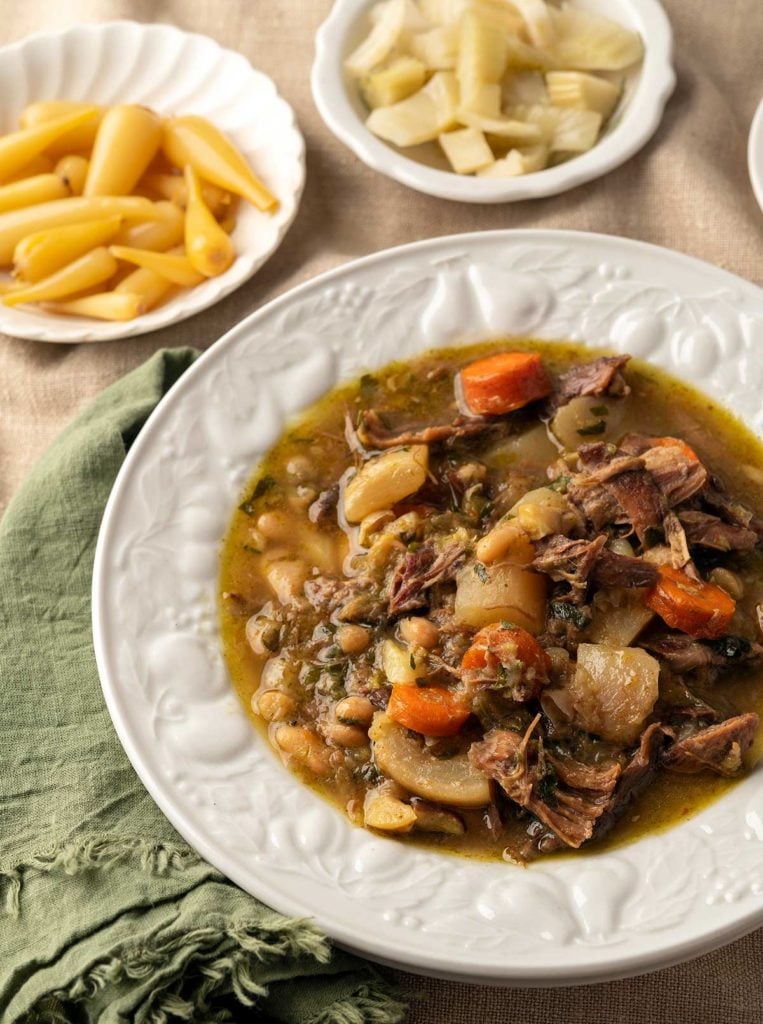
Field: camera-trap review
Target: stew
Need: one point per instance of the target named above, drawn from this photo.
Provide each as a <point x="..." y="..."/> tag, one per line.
<point x="506" y="599"/>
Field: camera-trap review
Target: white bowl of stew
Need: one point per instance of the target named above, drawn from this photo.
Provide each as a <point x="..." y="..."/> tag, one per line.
<point x="650" y="897"/>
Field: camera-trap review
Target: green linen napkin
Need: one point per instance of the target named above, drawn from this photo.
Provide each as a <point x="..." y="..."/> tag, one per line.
<point x="105" y="913"/>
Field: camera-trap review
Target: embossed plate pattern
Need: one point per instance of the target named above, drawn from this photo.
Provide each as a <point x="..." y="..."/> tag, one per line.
<point x="589" y="917"/>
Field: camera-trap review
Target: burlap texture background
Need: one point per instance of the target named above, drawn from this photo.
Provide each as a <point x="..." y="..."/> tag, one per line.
<point x="688" y="189"/>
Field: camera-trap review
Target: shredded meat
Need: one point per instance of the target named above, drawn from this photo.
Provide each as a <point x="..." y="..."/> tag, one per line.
<point x="709" y="531"/>
<point x="566" y="796"/>
<point x="719" y="747"/>
<point x="600" y="377"/>
<point x="373" y="432"/>
<point x="613" y="570"/>
<point x="579" y="561"/>
<point x="418" y="571"/>
<point x="684" y="654"/>
<point x="730" y="510"/>
<point x="624" y="477"/>
<point x="677" y="474"/>
<point x="354" y="600"/>
<point x="568" y="560"/>
<point x="675" y="535"/>
<point x="636" y="775"/>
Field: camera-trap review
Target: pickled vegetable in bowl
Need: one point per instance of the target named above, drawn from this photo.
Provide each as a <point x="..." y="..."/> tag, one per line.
<point x="504" y="599"/>
<point x="106" y="211"/>
<point x="498" y="88"/>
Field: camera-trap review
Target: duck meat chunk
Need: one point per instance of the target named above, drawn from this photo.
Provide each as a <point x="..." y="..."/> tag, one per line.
<point x="708" y="531"/>
<point x="566" y="797"/>
<point x="418" y="571"/>
<point x="373" y="432"/>
<point x="353" y="600"/>
<point x="600" y="377"/>
<point x="624" y="477"/>
<point x="730" y="510"/>
<point x="684" y="654"/>
<point x="676" y="470"/>
<point x="569" y="561"/>
<point x="597" y="505"/>
<point x="636" y="775"/>
<point x="613" y="570"/>
<point x="719" y="747"/>
<point x="675" y="535"/>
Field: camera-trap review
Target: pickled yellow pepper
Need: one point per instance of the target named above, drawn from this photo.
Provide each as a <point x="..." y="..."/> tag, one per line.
<point x="175" y="268"/>
<point x="43" y="253"/>
<point x="29" y="191"/>
<point x="157" y="235"/>
<point x="150" y="286"/>
<point x="193" y="140"/>
<point x="208" y="247"/>
<point x="76" y="139"/>
<point x="72" y="170"/>
<point x="102" y="306"/>
<point x="93" y="268"/>
<point x="20" y="147"/>
<point x="127" y="141"/>
<point x="174" y="188"/>
<point x="16" y="224"/>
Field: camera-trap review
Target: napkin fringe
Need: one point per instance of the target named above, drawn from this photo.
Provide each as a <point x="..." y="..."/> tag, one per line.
<point x="99" y="852"/>
<point x="225" y="960"/>
<point x="367" y="1005"/>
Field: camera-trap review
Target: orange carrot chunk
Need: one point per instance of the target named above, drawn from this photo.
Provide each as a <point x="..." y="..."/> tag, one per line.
<point x="504" y="382"/>
<point x="497" y="645"/>
<point x="430" y="710"/>
<point x="697" y="608"/>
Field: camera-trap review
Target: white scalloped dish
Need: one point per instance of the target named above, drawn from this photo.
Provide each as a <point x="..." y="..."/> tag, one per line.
<point x="172" y="72"/>
<point x="576" y="919"/>
<point x="634" y="121"/>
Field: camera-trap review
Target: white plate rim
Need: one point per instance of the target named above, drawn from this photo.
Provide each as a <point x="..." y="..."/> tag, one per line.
<point x="344" y="934"/>
<point x="68" y="330"/>
<point x="638" y="123"/>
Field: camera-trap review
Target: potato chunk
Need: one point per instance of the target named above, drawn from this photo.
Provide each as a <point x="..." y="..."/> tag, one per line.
<point x="385" y="480"/>
<point x="613" y="690"/>
<point x="490" y="593"/>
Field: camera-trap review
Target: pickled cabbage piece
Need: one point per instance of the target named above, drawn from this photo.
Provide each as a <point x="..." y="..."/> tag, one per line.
<point x="393" y="83"/>
<point x="590" y="42"/>
<point x="582" y="91"/>
<point x="422" y="116"/>
<point x="466" y="150"/>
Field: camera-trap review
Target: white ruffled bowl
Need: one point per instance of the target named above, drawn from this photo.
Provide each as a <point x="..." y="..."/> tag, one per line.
<point x="173" y="72"/>
<point x="633" y="123"/>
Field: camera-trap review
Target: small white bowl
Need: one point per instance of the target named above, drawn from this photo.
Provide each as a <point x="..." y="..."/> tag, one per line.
<point x="173" y="72"/>
<point x="632" y="124"/>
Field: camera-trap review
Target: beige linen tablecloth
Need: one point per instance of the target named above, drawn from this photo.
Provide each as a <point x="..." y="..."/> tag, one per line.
<point x="688" y="189"/>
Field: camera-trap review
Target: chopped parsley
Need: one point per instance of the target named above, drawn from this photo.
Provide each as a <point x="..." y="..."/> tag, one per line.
<point x="568" y="613"/>
<point x="593" y="429"/>
<point x="481" y="572"/>
<point x="263" y="485"/>
<point x="560" y="483"/>
<point x="600" y="410"/>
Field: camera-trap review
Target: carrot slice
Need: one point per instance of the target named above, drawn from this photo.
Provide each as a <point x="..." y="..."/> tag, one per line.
<point x="430" y="710"/>
<point x="504" y="382"/>
<point x="496" y="645"/>
<point x="697" y="608"/>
